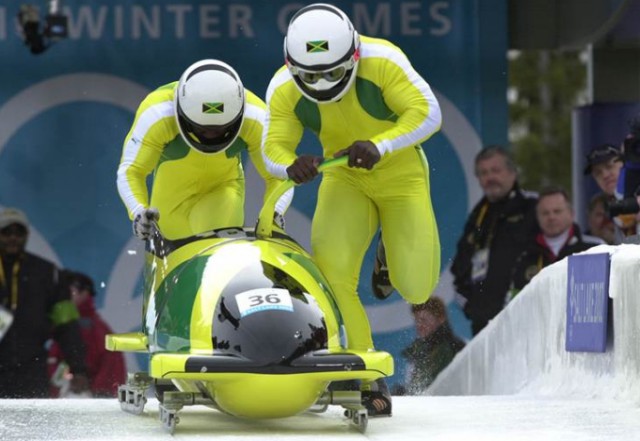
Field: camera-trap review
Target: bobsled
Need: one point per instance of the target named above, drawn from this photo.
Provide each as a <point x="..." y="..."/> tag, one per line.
<point x="242" y="320"/>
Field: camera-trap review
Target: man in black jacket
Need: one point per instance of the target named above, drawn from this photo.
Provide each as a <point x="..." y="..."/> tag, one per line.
<point x="497" y="231"/>
<point x="30" y="293"/>
<point x="559" y="237"/>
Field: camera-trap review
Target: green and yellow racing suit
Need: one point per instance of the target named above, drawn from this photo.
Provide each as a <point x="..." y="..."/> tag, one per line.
<point x="391" y="105"/>
<point x="193" y="191"/>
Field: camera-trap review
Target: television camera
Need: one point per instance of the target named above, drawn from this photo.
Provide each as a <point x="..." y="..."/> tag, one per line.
<point x="39" y="37"/>
<point x="629" y="180"/>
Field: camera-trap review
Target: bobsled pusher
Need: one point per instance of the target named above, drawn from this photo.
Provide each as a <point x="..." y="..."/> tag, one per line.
<point x="242" y="320"/>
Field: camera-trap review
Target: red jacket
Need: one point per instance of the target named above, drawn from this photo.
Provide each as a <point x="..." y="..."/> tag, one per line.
<point x="105" y="369"/>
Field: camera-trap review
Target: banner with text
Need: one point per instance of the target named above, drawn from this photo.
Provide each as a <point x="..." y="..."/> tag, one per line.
<point x="587" y="302"/>
<point x="64" y="114"/>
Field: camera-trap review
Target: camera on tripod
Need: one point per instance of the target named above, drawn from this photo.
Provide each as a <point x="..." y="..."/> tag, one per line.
<point x="629" y="181"/>
<point x="39" y="38"/>
<point x="623" y="206"/>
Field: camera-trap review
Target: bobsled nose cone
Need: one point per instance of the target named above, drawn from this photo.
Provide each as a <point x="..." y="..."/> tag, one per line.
<point x="269" y="396"/>
<point x="269" y="326"/>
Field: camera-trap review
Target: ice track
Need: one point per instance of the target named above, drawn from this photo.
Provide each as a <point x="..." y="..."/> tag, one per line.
<point x="415" y="418"/>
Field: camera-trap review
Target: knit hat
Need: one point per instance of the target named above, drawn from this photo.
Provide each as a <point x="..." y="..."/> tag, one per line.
<point x="10" y="216"/>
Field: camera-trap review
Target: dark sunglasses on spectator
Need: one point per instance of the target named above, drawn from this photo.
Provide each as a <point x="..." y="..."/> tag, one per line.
<point x="14" y="230"/>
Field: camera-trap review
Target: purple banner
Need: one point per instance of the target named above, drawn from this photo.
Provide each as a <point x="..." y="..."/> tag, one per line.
<point x="587" y="297"/>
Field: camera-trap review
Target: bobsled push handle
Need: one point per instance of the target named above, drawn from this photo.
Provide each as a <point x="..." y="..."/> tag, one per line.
<point x="264" y="228"/>
<point x="156" y="243"/>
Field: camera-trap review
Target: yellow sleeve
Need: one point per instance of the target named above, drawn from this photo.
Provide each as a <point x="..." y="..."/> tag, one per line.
<point x="154" y="125"/>
<point x="282" y="128"/>
<point x="409" y="96"/>
<point x="254" y="123"/>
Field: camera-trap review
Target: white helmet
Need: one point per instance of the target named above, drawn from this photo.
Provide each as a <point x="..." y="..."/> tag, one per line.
<point x="321" y="50"/>
<point x="209" y="106"/>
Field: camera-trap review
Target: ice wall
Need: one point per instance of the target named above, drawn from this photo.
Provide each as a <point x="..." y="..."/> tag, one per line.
<point x="522" y="351"/>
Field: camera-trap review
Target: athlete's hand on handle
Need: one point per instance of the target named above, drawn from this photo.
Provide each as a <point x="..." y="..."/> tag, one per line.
<point x="362" y="154"/>
<point x="143" y="222"/>
<point x="265" y="225"/>
<point x="304" y="168"/>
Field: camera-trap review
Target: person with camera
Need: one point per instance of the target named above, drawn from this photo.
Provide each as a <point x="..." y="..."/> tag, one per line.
<point x="626" y="207"/>
<point x="617" y="173"/>
<point x="604" y="164"/>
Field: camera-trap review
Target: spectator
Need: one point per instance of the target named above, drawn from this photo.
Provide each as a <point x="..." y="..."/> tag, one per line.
<point x="106" y="369"/>
<point x="559" y="237"/>
<point x="29" y="289"/>
<point x="434" y="347"/>
<point x="600" y="224"/>
<point x="628" y="188"/>
<point x="604" y="163"/>
<point x="362" y="98"/>
<point x="495" y="234"/>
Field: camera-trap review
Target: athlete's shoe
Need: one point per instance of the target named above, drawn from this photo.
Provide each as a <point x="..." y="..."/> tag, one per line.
<point x="380" y="281"/>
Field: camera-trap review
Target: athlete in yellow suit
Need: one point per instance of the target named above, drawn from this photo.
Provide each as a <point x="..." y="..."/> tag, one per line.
<point x="362" y="98"/>
<point x="190" y="133"/>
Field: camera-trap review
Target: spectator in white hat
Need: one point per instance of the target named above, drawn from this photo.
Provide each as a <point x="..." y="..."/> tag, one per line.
<point x="31" y="296"/>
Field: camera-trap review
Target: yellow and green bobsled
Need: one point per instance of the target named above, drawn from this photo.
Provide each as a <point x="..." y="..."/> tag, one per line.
<point x="244" y="316"/>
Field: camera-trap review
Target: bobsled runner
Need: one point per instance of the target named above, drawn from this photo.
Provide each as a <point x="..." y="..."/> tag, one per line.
<point x="242" y="320"/>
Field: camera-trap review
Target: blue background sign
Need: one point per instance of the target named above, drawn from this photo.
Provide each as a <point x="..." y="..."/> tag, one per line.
<point x="587" y="301"/>
<point x="64" y="115"/>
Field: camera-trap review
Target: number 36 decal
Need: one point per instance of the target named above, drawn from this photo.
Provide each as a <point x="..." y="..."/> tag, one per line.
<point x="263" y="299"/>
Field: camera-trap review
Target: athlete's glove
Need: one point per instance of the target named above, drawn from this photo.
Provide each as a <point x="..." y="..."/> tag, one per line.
<point x="143" y="222"/>
<point x="304" y="168"/>
<point x="362" y="154"/>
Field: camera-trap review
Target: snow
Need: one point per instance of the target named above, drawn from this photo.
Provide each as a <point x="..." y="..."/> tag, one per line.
<point x="415" y="418"/>
<point x="513" y="382"/>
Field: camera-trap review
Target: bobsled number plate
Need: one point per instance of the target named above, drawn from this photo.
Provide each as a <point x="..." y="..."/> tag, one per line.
<point x="263" y="299"/>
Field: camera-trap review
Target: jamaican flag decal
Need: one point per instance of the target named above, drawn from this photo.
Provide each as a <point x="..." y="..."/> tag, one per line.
<point x="317" y="46"/>
<point x="212" y="107"/>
